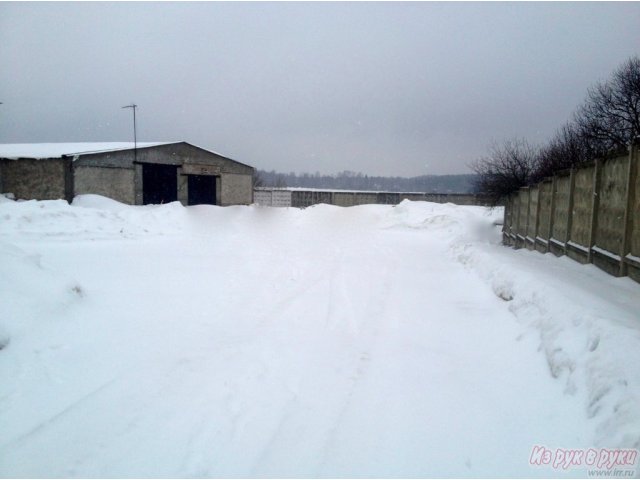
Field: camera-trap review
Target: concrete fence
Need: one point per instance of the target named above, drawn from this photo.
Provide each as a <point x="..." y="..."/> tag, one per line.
<point x="591" y="214"/>
<point x="301" y="198"/>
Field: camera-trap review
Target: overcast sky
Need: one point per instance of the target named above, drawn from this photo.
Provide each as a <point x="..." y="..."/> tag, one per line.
<point x="382" y="88"/>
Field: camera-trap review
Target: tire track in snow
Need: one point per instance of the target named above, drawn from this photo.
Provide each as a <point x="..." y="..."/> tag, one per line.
<point x="367" y="348"/>
<point x="71" y="408"/>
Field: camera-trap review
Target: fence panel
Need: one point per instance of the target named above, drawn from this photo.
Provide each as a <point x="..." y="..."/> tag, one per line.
<point x="561" y="214"/>
<point x="532" y="220"/>
<point x="515" y="211"/>
<point x="365" y="198"/>
<point x="523" y="216"/>
<point x="633" y="256"/>
<point x="610" y="227"/>
<point x="301" y="199"/>
<point x="281" y="198"/>
<point x="507" y="226"/>
<point x="591" y="214"/>
<point x="580" y="234"/>
<point x="263" y="197"/>
<point x="544" y="217"/>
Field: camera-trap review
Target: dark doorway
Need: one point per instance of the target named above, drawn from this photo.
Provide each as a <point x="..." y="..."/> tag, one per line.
<point x="159" y="183"/>
<point x="202" y="190"/>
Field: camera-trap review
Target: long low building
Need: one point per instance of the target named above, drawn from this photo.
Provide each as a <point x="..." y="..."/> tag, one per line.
<point x="303" y="197"/>
<point x="152" y="173"/>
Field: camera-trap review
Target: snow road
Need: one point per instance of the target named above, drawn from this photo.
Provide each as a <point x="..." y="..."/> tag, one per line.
<point x="369" y="341"/>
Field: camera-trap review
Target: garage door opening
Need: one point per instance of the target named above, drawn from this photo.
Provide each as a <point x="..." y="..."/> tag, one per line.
<point x="202" y="190"/>
<point x="159" y="184"/>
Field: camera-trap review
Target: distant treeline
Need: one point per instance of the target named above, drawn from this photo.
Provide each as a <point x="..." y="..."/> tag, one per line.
<point x="357" y="181"/>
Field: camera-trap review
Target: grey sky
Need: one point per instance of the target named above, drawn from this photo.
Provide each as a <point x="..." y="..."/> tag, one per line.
<point x="382" y="88"/>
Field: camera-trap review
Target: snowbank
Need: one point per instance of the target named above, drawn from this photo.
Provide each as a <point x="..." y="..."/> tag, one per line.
<point x="588" y="324"/>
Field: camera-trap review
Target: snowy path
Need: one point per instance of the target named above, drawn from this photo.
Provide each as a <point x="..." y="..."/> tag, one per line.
<point x="253" y="342"/>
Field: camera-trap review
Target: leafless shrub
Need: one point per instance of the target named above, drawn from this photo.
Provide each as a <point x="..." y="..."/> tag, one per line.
<point x="508" y="167"/>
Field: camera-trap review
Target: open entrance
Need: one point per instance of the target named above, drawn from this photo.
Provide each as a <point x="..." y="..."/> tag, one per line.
<point x="159" y="183"/>
<point x="202" y="189"/>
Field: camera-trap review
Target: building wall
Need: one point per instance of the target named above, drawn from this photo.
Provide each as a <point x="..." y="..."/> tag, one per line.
<point x="234" y="180"/>
<point x="236" y="189"/>
<point x="42" y="179"/>
<point x="175" y="154"/>
<point x="115" y="183"/>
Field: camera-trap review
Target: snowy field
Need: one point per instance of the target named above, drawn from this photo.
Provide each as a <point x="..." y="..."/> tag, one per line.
<point x="370" y="341"/>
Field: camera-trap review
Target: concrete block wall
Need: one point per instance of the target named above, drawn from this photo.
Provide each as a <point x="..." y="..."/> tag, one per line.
<point x="237" y="189"/>
<point x="115" y="183"/>
<point x="591" y="214"/>
<point x="40" y="179"/>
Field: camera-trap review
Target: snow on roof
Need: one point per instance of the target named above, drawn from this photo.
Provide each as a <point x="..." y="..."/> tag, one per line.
<point x="14" y="151"/>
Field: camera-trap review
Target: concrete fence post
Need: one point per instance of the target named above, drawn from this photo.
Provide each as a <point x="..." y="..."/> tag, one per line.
<point x="595" y="205"/>
<point x="572" y="184"/>
<point x="632" y="172"/>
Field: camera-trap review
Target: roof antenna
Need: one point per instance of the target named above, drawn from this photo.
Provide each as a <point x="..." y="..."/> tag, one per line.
<point x="133" y="106"/>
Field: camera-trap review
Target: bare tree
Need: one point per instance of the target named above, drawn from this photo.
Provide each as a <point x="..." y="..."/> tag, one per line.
<point x="280" y="182"/>
<point x="258" y="181"/>
<point x="608" y="121"/>
<point x="508" y="167"/>
<point x="566" y="149"/>
<point x="610" y="117"/>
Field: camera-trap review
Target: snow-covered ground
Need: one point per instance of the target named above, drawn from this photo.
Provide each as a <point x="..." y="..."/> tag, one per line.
<point x="370" y="341"/>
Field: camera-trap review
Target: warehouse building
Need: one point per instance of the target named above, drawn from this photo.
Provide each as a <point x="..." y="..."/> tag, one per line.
<point x="152" y="173"/>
